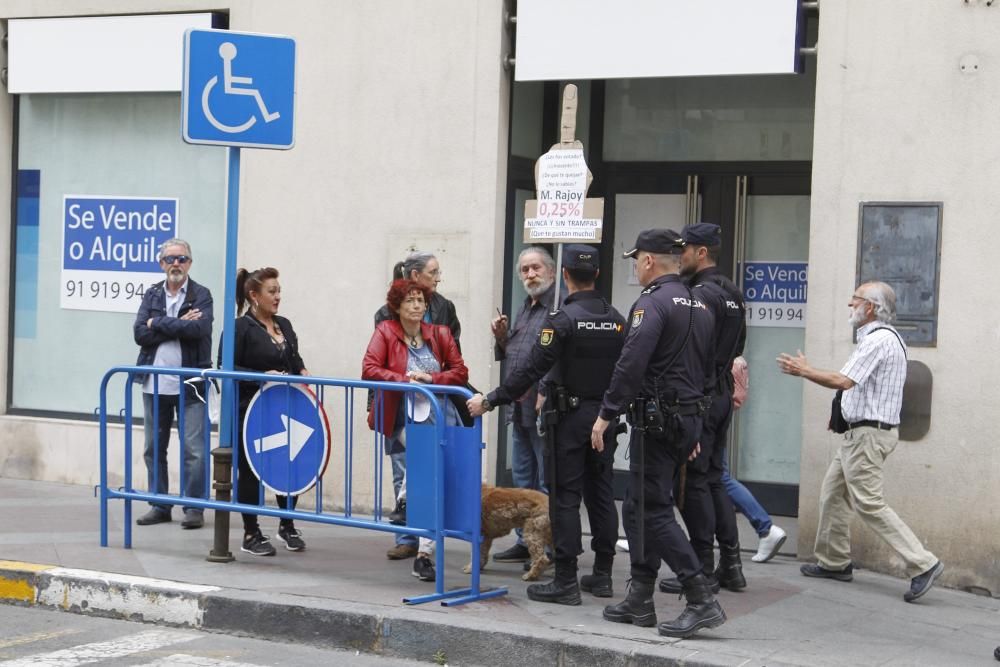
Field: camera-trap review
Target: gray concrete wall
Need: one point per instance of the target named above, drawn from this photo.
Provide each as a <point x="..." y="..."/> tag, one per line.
<point x="401" y="141"/>
<point x="897" y="120"/>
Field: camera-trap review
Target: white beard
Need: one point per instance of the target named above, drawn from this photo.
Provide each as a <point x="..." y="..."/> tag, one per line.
<point x="537" y="291"/>
<point x="857" y="316"/>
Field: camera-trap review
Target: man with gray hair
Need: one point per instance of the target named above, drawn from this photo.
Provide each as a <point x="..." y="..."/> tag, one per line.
<point x="174" y="329"/>
<point x="513" y="346"/>
<point x="870" y="392"/>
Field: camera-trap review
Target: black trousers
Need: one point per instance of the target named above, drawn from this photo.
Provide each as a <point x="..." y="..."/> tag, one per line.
<point x="708" y="512"/>
<point x="581" y="473"/>
<point x="663" y="538"/>
<point x="248" y="486"/>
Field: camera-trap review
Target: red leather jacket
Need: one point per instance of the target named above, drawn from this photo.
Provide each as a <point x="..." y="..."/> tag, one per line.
<point x="385" y="360"/>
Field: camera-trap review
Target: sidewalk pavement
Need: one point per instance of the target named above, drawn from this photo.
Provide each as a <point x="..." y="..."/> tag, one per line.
<point x="342" y="592"/>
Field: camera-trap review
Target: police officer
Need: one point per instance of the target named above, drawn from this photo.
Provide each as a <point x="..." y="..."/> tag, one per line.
<point x="708" y="512"/>
<point x="580" y="344"/>
<point x="661" y="373"/>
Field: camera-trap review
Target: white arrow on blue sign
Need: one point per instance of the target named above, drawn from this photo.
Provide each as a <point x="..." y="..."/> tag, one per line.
<point x="286" y="438"/>
<point x="239" y="89"/>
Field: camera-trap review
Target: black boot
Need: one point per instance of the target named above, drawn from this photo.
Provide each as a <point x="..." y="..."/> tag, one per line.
<point x="397" y="516"/>
<point x="672" y="585"/>
<point x="637" y="607"/>
<point x="598" y="584"/>
<point x="563" y="589"/>
<point x="730" y="571"/>
<point x="702" y="611"/>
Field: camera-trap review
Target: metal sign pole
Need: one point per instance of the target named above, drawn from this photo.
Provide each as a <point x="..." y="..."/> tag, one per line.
<point x="555" y="297"/>
<point x="228" y="318"/>
<point x="223" y="455"/>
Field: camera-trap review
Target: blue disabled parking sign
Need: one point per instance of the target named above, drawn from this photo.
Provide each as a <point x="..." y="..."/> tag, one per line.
<point x="286" y="438"/>
<point x="239" y="89"/>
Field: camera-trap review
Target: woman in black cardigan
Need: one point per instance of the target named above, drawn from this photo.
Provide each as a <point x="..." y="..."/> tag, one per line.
<point x="264" y="343"/>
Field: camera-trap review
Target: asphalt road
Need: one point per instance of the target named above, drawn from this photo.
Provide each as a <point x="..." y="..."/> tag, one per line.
<point x="55" y="639"/>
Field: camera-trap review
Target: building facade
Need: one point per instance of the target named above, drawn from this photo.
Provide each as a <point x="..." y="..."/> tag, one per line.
<point x="414" y="130"/>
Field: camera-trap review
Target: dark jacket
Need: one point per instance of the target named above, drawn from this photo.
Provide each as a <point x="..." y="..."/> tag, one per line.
<point x="442" y="311"/>
<point x="195" y="335"/>
<point x="385" y="361"/>
<point x="254" y="351"/>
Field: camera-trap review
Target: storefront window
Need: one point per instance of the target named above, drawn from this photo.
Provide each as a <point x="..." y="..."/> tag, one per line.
<point x="102" y="179"/>
<point x="709" y="119"/>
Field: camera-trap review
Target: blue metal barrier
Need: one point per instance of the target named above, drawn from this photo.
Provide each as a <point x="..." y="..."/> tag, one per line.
<point x="443" y="475"/>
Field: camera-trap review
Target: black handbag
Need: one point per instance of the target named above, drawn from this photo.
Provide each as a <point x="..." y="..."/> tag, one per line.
<point x="837" y="422"/>
<point x="462" y="408"/>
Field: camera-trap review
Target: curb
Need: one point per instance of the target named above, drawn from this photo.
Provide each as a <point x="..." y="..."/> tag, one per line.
<point x="408" y="632"/>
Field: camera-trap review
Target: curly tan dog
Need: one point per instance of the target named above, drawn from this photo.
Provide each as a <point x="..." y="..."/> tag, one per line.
<point x="507" y="509"/>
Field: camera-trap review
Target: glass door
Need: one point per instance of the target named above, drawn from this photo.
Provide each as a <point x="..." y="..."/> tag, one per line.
<point x="771" y="261"/>
<point x="764" y="214"/>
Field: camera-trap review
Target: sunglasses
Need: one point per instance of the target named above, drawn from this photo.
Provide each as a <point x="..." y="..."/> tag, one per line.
<point x="170" y="259"/>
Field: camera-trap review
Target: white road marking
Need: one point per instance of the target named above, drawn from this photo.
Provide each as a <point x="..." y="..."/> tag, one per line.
<point x="155" y="600"/>
<point x="98" y="651"/>
<point x="195" y="661"/>
<point x="129" y="580"/>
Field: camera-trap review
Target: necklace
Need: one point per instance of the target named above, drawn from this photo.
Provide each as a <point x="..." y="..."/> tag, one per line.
<point x="413" y="341"/>
<point x="278" y="338"/>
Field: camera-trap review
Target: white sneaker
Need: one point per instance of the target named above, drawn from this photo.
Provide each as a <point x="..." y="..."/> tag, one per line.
<point x="768" y="546"/>
<point x="622" y="545"/>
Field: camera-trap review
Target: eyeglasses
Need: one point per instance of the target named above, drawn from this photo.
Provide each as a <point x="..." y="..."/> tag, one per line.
<point x="855" y="297"/>
<point x="170" y="259"/>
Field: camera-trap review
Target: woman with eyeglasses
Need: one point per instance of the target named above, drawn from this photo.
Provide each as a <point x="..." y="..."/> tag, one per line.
<point x="424" y="269"/>
<point x="408" y="349"/>
<point x="264" y="342"/>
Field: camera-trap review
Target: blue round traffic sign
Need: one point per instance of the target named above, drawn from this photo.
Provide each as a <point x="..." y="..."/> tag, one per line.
<point x="286" y="437"/>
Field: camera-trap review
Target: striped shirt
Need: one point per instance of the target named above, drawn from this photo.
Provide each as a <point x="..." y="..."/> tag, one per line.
<point x="878" y="368"/>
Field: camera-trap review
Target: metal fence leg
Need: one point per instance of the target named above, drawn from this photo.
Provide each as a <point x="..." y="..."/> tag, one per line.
<point x="223" y="485"/>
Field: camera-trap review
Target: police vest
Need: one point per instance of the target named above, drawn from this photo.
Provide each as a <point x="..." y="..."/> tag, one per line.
<point x="730" y="326"/>
<point x="593" y="347"/>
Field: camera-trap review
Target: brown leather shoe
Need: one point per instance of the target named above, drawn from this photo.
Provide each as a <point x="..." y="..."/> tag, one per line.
<point x="401" y="551"/>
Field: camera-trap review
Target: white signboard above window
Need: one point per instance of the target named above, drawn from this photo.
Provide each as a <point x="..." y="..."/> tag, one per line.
<point x="561" y="40"/>
<point x="99" y="54"/>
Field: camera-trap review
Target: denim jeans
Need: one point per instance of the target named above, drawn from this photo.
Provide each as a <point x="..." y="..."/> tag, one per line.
<point x="398" y="461"/>
<point x="194" y="448"/>
<point x="527" y="462"/>
<point x="745" y="503"/>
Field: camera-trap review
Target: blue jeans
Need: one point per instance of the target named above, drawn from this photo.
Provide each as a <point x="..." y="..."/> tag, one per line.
<point x="527" y="461"/>
<point x="398" y="461"/>
<point x="193" y="443"/>
<point x="745" y="503"/>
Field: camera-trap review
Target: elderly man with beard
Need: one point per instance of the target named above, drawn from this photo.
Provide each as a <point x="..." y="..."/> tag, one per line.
<point x="871" y="383"/>
<point x="173" y="328"/>
<point x="513" y="345"/>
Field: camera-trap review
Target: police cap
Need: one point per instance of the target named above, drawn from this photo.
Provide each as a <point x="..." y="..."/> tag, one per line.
<point x="660" y="241"/>
<point x="702" y="233"/>
<point x="583" y="257"/>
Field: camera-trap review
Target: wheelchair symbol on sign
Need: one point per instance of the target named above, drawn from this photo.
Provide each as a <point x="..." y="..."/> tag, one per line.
<point x="227" y="51"/>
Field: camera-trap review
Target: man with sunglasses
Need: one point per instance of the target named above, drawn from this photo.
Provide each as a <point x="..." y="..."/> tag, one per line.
<point x="173" y="328"/>
<point x="872" y="385"/>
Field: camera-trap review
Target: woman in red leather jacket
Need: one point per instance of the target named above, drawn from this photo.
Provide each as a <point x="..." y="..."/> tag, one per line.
<point x="408" y="349"/>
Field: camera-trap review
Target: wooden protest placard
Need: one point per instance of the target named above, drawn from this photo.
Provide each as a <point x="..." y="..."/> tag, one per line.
<point x="562" y="213"/>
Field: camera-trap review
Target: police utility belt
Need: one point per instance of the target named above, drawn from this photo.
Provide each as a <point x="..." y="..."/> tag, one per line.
<point x="558" y="402"/>
<point x="659" y="417"/>
<point x="561" y="401"/>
